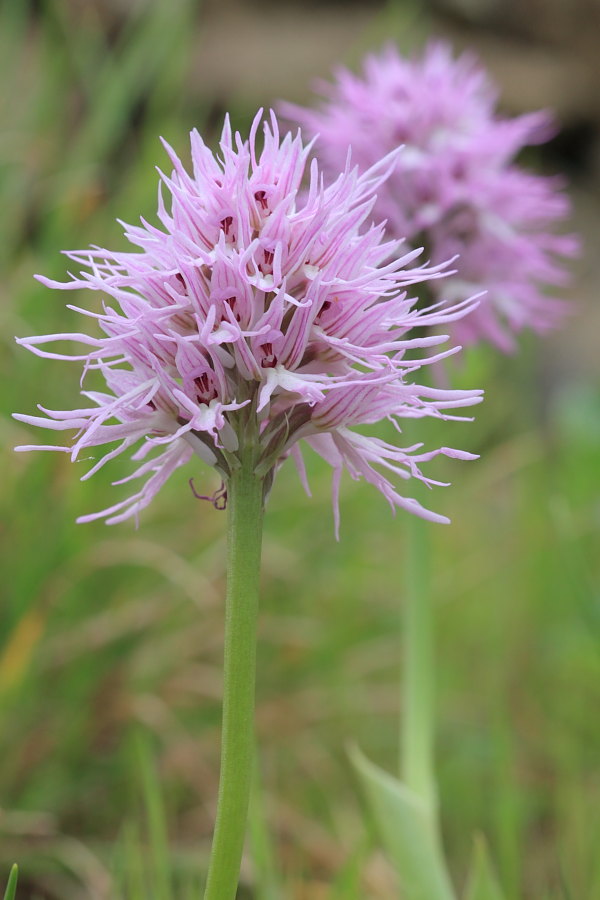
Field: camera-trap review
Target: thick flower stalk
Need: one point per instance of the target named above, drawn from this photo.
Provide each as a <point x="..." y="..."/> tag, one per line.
<point x="254" y="303"/>
<point x="455" y="188"/>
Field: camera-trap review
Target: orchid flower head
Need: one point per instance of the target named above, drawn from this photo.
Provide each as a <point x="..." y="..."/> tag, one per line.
<point x="456" y="188"/>
<point x="258" y="315"/>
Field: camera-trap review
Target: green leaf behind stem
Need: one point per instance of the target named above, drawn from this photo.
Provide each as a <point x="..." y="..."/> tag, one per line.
<point x="405" y="826"/>
<point x="482" y="884"/>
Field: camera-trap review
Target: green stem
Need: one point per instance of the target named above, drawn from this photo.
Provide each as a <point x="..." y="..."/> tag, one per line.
<point x="417" y="760"/>
<point x="417" y="737"/>
<point x="245" y="511"/>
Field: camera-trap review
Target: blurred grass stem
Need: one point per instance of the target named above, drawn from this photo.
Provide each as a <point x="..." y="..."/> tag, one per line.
<point x="245" y="511"/>
<point x="417" y="739"/>
<point x="417" y="735"/>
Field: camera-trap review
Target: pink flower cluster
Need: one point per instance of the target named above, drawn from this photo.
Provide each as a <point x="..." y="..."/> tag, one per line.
<point x="257" y="317"/>
<point x="455" y="188"/>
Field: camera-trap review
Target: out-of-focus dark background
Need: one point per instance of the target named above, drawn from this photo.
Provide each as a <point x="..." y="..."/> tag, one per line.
<point x="111" y="637"/>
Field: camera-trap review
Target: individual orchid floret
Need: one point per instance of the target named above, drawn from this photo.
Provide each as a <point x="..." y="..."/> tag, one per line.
<point x="455" y="188"/>
<point x="258" y="318"/>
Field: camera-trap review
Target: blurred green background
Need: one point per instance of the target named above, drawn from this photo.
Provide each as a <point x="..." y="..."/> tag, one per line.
<point x="110" y="638"/>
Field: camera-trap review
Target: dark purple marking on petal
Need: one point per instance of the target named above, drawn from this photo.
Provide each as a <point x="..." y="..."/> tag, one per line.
<point x="261" y="198"/>
<point x="269" y="360"/>
<point x="226" y="224"/>
<point x="206" y="389"/>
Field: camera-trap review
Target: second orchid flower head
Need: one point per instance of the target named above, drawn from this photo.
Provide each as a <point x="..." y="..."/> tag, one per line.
<point x="456" y="188"/>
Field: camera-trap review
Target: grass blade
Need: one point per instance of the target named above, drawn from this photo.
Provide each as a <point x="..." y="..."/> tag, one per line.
<point x="405" y="829"/>
<point x="156" y="823"/>
<point x="11" y="887"/>
<point x="482" y="880"/>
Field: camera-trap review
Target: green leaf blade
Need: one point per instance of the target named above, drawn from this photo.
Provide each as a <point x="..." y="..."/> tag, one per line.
<point x="407" y="832"/>
<point x="482" y="884"/>
<point x="11" y="887"/>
